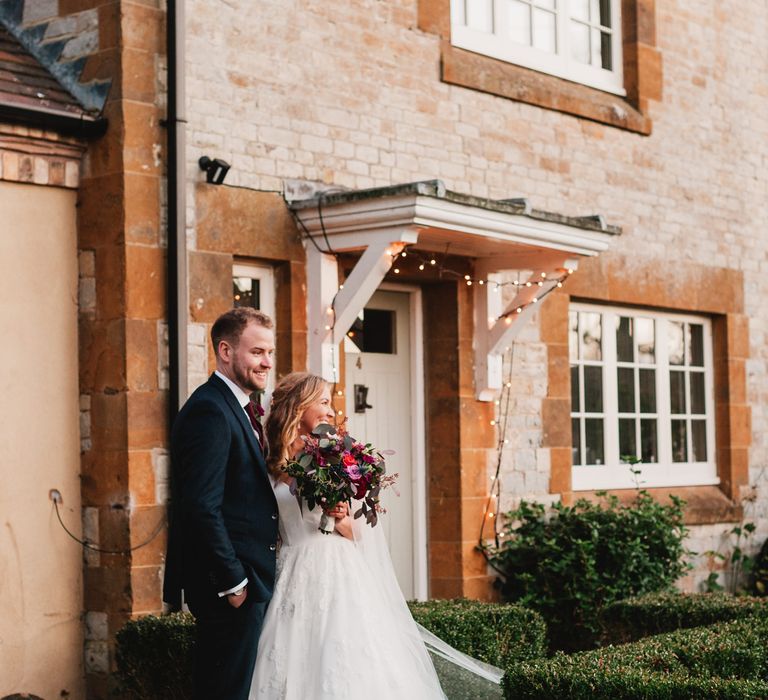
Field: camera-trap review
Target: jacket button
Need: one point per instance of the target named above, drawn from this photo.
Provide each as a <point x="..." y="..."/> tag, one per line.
<point x="274" y="516"/>
<point x="272" y="547"/>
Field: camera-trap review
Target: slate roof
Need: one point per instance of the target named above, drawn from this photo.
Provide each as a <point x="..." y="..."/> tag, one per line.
<point x="30" y="94"/>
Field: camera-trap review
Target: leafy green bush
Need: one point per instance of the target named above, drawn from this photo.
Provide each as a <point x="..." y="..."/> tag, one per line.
<point x="568" y="566"/>
<point x="760" y="572"/>
<point x="495" y="633"/>
<point x="154" y="657"/>
<point x="726" y="660"/>
<point x="634" y="618"/>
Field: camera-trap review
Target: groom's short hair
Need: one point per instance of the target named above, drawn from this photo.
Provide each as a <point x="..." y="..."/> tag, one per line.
<point x="230" y="325"/>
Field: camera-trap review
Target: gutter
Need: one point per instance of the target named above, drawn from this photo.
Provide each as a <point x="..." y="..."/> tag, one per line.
<point x="83" y="125"/>
<point x="177" y="300"/>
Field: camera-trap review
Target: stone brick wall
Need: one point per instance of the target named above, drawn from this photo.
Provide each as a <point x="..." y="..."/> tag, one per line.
<point x="123" y="331"/>
<point x="39" y="157"/>
<point x="350" y="94"/>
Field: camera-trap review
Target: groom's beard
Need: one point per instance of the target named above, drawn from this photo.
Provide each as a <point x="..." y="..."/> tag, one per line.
<point x="245" y="378"/>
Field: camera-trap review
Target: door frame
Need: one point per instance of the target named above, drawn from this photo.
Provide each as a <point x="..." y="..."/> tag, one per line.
<point x="418" y="437"/>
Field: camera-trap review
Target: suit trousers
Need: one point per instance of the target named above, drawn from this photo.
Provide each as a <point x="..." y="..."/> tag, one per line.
<point x="227" y="641"/>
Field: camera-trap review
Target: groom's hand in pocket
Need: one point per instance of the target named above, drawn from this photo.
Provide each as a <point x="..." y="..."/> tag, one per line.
<point x="237" y="599"/>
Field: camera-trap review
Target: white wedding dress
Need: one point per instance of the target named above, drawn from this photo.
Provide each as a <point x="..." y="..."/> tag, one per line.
<point x="337" y="626"/>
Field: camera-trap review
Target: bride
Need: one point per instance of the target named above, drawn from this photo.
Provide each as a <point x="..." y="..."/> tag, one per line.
<point x="338" y="626"/>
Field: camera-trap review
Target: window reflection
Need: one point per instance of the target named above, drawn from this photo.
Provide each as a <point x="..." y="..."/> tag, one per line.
<point x="245" y="292"/>
<point x="590" y="326"/>
<point x="646" y="340"/>
<point x="573" y="335"/>
<point x="676" y="346"/>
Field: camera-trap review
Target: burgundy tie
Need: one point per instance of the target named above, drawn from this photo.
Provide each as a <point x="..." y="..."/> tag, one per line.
<point x="255" y="422"/>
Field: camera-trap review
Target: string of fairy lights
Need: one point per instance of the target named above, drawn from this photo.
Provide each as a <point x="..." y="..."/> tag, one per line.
<point x="543" y="281"/>
<point x="430" y="261"/>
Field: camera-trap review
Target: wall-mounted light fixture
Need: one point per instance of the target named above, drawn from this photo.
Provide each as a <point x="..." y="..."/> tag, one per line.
<point x="215" y="169"/>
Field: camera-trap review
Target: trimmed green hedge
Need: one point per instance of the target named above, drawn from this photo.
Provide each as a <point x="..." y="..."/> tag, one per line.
<point x="726" y="660"/>
<point x="154" y="654"/>
<point x="154" y="657"/>
<point x="495" y="633"/>
<point x="635" y="618"/>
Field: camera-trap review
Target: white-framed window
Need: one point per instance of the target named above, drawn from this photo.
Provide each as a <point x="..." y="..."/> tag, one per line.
<point x="579" y="40"/>
<point x="254" y="285"/>
<point x="642" y="388"/>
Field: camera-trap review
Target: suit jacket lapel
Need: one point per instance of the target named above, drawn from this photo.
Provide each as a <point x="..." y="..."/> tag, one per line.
<point x="237" y="409"/>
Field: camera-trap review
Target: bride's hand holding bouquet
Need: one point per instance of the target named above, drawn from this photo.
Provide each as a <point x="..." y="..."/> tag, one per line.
<point x="333" y="468"/>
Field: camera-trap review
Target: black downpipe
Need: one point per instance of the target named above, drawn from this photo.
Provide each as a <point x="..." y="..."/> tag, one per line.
<point x="172" y="216"/>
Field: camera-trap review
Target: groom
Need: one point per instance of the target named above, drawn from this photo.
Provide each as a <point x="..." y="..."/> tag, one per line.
<point x="223" y="531"/>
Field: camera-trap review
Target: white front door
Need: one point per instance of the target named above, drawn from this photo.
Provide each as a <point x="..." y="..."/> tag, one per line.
<point x="379" y="353"/>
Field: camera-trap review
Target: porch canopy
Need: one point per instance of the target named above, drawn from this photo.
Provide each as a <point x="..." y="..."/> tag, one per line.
<point x="497" y="235"/>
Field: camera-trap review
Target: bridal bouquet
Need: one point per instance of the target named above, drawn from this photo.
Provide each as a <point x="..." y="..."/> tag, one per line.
<point x="333" y="468"/>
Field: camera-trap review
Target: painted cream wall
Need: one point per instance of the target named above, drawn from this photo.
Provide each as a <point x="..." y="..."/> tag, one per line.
<point x="41" y="633"/>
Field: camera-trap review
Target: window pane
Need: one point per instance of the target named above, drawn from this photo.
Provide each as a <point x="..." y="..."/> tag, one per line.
<point x="480" y="15"/>
<point x="245" y="292"/>
<point x="544" y="31"/>
<point x="675" y="343"/>
<point x="648" y="440"/>
<point x="374" y="332"/>
<point x="580" y="42"/>
<point x="677" y="392"/>
<point x="699" y="440"/>
<point x="576" y="441"/>
<point x="625" y="351"/>
<point x="594" y="47"/>
<point x="575" y="403"/>
<point x="602" y="12"/>
<point x="647" y="391"/>
<point x="594" y="439"/>
<point x="646" y="340"/>
<point x="591" y="330"/>
<point x="520" y="23"/>
<point x="546" y="3"/>
<point x="573" y="335"/>
<point x="626" y="388"/>
<point x="606" y="52"/>
<point x="627" y="445"/>
<point x="579" y="9"/>
<point x="695" y="354"/>
<point x="593" y="389"/>
<point x="679" y="446"/>
<point x="698" y="404"/>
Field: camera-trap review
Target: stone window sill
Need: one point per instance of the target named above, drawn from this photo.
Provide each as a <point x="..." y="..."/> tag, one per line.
<point x="705" y="505"/>
<point x="477" y="72"/>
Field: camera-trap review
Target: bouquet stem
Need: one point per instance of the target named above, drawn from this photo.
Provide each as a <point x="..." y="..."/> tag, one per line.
<point x="327" y="524"/>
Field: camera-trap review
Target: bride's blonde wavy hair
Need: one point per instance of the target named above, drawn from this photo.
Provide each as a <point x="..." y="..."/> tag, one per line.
<point x="293" y="395"/>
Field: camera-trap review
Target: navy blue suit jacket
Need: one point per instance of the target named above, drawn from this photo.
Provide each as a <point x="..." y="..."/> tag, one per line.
<point x="223" y="513"/>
